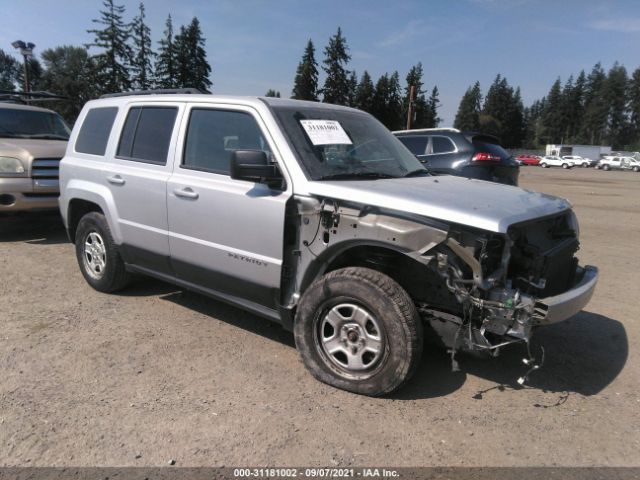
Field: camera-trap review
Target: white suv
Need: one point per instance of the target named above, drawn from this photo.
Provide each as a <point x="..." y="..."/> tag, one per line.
<point x="317" y="217"/>
<point x="555" y="161"/>
<point x="578" y="161"/>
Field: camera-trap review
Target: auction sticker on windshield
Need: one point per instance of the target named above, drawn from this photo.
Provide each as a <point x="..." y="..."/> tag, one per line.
<point x="326" y="132"/>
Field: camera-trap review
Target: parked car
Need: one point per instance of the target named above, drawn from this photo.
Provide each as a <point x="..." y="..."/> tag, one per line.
<point x="555" y="161"/>
<point x="317" y="217"/>
<point x="465" y="154"/>
<point x="619" y="163"/>
<point x="579" y="161"/>
<point x="32" y="142"/>
<point x="532" y="160"/>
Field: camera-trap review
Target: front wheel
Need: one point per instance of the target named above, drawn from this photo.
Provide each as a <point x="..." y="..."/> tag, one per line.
<point x="358" y="330"/>
<point x="543" y="165"/>
<point x="606" y="168"/>
<point x="565" y="166"/>
<point x="98" y="257"/>
<point x="636" y="169"/>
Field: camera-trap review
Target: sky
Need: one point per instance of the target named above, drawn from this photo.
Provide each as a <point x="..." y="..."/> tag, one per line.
<point x="255" y="45"/>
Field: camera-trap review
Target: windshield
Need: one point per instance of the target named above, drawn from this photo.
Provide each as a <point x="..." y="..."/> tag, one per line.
<point x="340" y="144"/>
<point x="16" y="123"/>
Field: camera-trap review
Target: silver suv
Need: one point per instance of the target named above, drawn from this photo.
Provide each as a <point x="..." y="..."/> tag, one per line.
<point x="32" y="142"/>
<point x="317" y="217"/>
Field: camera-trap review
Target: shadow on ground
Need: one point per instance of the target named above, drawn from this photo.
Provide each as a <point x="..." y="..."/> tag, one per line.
<point x="35" y="228"/>
<point x="582" y="355"/>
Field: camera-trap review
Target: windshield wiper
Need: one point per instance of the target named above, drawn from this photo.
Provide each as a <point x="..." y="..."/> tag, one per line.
<point x="48" y="136"/>
<point x="415" y="173"/>
<point x="352" y="175"/>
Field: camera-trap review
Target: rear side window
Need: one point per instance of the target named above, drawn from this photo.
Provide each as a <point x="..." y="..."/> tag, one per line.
<point x="213" y="135"/>
<point x="416" y="144"/>
<point x="442" y="145"/>
<point x="146" y="134"/>
<point x="95" y="130"/>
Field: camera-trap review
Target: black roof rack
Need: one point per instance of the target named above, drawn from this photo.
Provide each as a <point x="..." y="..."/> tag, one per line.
<point x="160" y="91"/>
<point x="26" y="97"/>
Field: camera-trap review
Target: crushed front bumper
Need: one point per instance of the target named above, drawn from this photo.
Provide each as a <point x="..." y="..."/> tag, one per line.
<point x="560" y="307"/>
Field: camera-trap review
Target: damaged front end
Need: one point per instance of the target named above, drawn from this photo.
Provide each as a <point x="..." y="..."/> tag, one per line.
<point x="506" y="285"/>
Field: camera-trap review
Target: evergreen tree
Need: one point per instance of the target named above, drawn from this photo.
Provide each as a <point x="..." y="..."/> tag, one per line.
<point x="365" y="93"/>
<point x="142" y="54"/>
<point x="192" y="68"/>
<point x="9" y="68"/>
<point x="468" y="116"/>
<point x="514" y="128"/>
<point x="532" y="123"/>
<point x="352" y="84"/>
<point x="336" y="85"/>
<point x="305" y="85"/>
<point x="503" y="113"/>
<point x="69" y="71"/>
<point x="387" y="101"/>
<point x="272" y="93"/>
<point x="420" y="110"/>
<point x="35" y="74"/>
<point x="552" y="117"/>
<point x="573" y="107"/>
<point x="433" y="103"/>
<point x="595" y="110"/>
<point x="634" y="107"/>
<point x="165" y="67"/>
<point x="113" y="62"/>
<point x="381" y="99"/>
<point x="616" y="98"/>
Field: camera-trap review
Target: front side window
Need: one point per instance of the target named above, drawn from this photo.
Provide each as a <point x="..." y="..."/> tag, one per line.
<point x="213" y="135"/>
<point x="95" y="130"/>
<point x="336" y="144"/>
<point x="146" y="134"/>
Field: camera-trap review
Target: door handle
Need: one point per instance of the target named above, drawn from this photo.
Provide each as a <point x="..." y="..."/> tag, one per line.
<point x="186" y="192"/>
<point x="116" y="180"/>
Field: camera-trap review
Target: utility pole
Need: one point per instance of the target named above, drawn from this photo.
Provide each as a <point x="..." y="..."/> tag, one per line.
<point x="412" y="93"/>
<point x="26" y="50"/>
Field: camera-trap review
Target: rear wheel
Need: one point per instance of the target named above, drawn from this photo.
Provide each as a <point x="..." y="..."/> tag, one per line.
<point x="358" y="330"/>
<point x="97" y="254"/>
<point x="565" y="166"/>
<point x="543" y="165"/>
<point x="606" y="168"/>
<point x="636" y="169"/>
<point x="585" y="165"/>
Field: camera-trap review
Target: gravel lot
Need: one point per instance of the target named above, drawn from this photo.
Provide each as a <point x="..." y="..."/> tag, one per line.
<point x="156" y="373"/>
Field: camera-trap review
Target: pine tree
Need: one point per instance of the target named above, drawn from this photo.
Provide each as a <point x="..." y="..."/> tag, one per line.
<point x="365" y="93"/>
<point x="381" y="99"/>
<point x="68" y="71"/>
<point x="573" y="107"/>
<point x="616" y="98"/>
<point x="595" y="111"/>
<point x="420" y="110"/>
<point x="142" y="54"/>
<point x="468" y="116"/>
<point x="113" y="62"/>
<point x="165" y="67"/>
<point x="514" y="131"/>
<point x="336" y="85"/>
<point x="503" y="113"/>
<point x="634" y="107"/>
<point x="272" y="93"/>
<point x="192" y="68"/>
<point x="552" y="117"/>
<point x="352" y="83"/>
<point x="9" y="68"/>
<point x="433" y="103"/>
<point x="305" y="85"/>
<point x="394" y="106"/>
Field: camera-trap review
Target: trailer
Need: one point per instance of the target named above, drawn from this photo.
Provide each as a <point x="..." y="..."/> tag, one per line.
<point x="592" y="152"/>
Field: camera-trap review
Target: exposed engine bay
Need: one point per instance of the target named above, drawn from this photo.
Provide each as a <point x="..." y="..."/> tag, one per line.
<point x="478" y="290"/>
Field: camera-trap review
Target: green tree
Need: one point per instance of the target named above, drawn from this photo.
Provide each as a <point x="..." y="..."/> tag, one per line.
<point x="468" y="115"/>
<point x="433" y="103"/>
<point x="503" y="113"/>
<point x="115" y="57"/>
<point x="69" y="71"/>
<point x="9" y="68"/>
<point x="336" y="84"/>
<point x="272" y="93"/>
<point x="35" y="71"/>
<point x="616" y="98"/>
<point x="142" y="53"/>
<point x="573" y="107"/>
<point x="552" y="117"/>
<point x="634" y="107"/>
<point x="387" y="101"/>
<point x="305" y="85"/>
<point x="192" y="67"/>
<point x="352" y="83"/>
<point x="420" y="110"/>
<point x="165" y="66"/>
<point x="594" y="122"/>
<point x="532" y="123"/>
<point x="365" y="93"/>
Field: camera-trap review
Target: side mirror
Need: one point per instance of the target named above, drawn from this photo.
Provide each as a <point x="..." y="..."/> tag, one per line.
<point x="254" y="166"/>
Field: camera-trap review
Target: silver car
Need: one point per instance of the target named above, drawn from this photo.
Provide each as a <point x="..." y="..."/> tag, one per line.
<point x="317" y="217"/>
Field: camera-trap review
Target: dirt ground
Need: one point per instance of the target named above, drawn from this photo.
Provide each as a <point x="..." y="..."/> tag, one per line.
<point x="156" y="373"/>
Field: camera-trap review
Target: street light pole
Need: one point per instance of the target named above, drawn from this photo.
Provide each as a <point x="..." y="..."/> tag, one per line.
<point x="26" y="50"/>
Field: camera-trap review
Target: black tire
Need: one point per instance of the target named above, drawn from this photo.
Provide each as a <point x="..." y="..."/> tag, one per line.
<point x="636" y="169"/>
<point x="543" y="165"/>
<point x="606" y="168"/>
<point x="113" y="275"/>
<point x="565" y="166"/>
<point x="390" y="306"/>
<point x="585" y="165"/>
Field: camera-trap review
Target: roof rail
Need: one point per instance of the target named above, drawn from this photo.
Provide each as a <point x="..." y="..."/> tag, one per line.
<point x="160" y="91"/>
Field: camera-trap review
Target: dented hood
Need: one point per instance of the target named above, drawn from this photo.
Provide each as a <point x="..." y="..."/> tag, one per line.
<point x="485" y="205"/>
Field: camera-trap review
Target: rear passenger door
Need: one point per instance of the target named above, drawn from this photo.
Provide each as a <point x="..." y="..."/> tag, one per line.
<point x="226" y="236"/>
<point x="137" y="175"/>
<point x="441" y="154"/>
